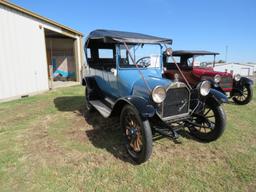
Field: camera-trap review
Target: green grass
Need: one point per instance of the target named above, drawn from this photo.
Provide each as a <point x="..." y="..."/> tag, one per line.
<point x="49" y="143"/>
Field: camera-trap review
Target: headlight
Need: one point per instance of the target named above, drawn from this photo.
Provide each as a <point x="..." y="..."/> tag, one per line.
<point x="217" y="78"/>
<point x="176" y="77"/>
<point x="204" y="88"/>
<point x="237" y="77"/>
<point x="158" y="94"/>
<point x="169" y="51"/>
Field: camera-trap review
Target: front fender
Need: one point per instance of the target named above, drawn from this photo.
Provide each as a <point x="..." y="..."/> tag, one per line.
<point x="145" y="109"/>
<point x="246" y="81"/>
<point x="238" y="85"/>
<point x="212" y="82"/>
<point x="215" y="86"/>
<point x="217" y="97"/>
<point x="218" y="88"/>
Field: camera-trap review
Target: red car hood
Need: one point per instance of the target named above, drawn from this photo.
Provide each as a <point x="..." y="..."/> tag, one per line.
<point x="203" y="71"/>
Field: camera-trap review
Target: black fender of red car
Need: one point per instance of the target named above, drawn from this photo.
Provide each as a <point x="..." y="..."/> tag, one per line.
<point x="246" y="81"/>
<point x="238" y="85"/>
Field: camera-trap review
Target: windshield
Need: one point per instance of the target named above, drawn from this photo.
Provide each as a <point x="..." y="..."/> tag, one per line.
<point x="145" y="55"/>
<point x="201" y="61"/>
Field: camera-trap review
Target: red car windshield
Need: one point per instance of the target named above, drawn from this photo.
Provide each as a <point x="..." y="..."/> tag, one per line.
<point x="201" y="61"/>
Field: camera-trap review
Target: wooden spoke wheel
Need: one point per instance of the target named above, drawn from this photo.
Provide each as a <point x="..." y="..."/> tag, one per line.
<point x="137" y="134"/>
<point x="245" y="97"/>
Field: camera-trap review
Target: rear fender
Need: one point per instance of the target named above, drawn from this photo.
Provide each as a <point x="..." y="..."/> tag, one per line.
<point x="83" y="82"/>
<point x="90" y="82"/>
<point x="145" y="109"/>
<point x="92" y="87"/>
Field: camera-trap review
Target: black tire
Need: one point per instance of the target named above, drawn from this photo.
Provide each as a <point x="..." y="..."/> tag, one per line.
<point x="209" y="127"/>
<point x="246" y="97"/>
<point x="137" y="134"/>
<point x="88" y="106"/>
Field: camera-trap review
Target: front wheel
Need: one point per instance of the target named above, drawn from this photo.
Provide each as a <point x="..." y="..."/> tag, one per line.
<point x="137" y="134"/>
<point x="245" y="97"/>
<point x="209" y="124"/>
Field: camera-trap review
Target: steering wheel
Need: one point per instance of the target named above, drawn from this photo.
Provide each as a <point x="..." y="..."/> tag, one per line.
<point x="143" y="61"/>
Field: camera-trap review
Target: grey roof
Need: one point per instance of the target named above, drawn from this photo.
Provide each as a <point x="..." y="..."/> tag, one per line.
<point x="190" y="52"/>
<point x="241" y="64"/>
<point x="110" y="36"/>
<point x="32" y="14"/>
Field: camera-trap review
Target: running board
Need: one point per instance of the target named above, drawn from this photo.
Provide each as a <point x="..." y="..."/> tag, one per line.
<point x="103" y="109"/>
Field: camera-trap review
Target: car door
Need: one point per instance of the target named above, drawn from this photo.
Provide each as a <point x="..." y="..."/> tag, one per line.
<point x="107" y="58"/>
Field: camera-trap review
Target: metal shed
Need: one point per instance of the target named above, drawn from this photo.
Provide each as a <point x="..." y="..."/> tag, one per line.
<point x="245" y="70"/>
<point x="36" y="53"/>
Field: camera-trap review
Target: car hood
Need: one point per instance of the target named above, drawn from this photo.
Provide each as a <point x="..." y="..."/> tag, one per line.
<point x="144" y="87"/>
<point x="156" y="81"/>
<point x="209" y="71"/>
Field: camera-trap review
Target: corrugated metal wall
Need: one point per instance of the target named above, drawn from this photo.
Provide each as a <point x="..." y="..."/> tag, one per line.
<point x="243" y="70"/>
<point x="23" y="63"/>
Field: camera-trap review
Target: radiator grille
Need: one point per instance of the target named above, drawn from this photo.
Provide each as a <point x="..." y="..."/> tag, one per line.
<point x="176" y="102"/>
<point x="226" y="82"/>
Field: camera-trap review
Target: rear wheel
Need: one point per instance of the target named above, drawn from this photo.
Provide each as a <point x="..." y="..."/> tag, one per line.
<point x="210" y="124"/>
<point x="245" y="97"/>
<point x="137" y="134"/>
<point x="88" y="106"/>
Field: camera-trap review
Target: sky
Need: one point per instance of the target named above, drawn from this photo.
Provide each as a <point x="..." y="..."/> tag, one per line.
<point x="213" y="25"/>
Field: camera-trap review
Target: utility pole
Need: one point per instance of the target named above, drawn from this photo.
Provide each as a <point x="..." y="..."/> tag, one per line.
<point x="226" y="54"/>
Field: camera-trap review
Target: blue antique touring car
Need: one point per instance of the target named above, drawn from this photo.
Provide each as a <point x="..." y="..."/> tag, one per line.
<point x="124" y="77"/>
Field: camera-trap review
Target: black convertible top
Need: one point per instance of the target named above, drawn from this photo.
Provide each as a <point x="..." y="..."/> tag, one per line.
<point x="110" y="36"/>
<point x="191" y="53"/>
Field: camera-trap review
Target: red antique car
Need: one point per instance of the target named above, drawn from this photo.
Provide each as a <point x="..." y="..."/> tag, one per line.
<point x="196" y="67"/>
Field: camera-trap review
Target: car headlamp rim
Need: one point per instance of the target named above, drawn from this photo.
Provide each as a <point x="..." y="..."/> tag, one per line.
<point x="204" y="88"/>
<point x="237" y="77"/>
<point x="158" y="94"/>
<point x="217" y="78"/>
